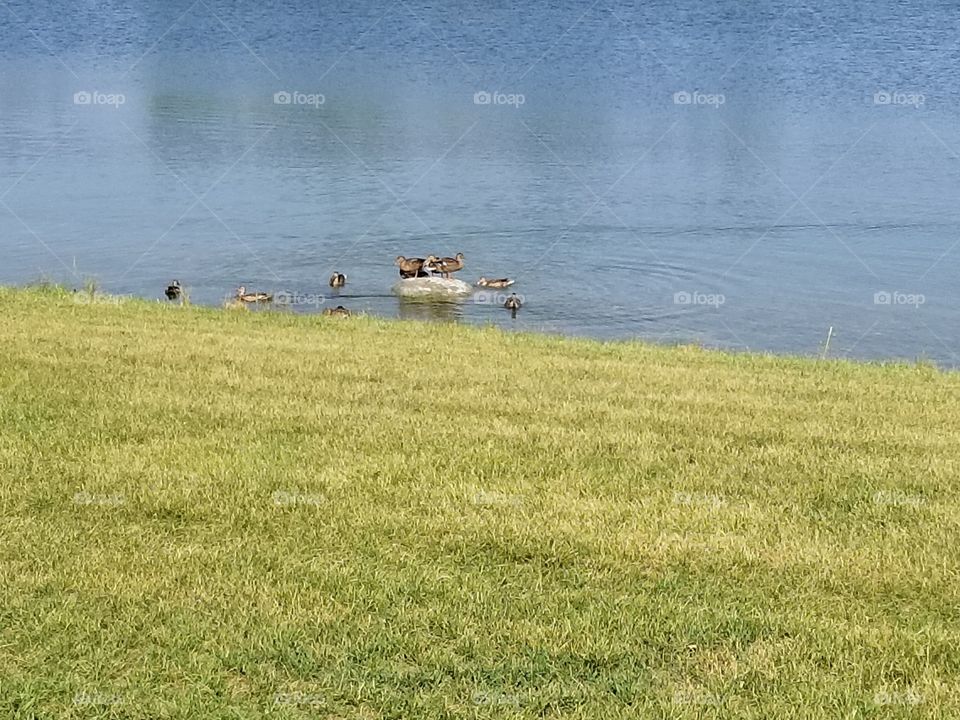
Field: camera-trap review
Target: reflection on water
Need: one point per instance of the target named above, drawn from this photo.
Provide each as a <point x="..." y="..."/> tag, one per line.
<point x="430" y="311"/>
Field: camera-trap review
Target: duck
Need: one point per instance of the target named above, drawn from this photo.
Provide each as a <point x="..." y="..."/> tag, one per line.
<point x="499" y="283"/>
<point x="254" y="297"/>
<point x="338" y="311"/>
<point x="448" y="265"/>
<point x="173" y="291"/>
<point x="410" y="267"/>
<point x="338" y="280"/>
<point x="513" y="304"/>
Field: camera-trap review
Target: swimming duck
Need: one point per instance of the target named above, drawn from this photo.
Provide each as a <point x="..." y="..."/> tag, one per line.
<point x="513" y="304"/>
<point x="410" y="267"/>
<point x="338" y="280"/>
<point x="173" y="291"/>
<point x="254" y="297"/>
<point x="500" y="283"/>
<point x="448" y="265"/>
<point x="338" y="311"/>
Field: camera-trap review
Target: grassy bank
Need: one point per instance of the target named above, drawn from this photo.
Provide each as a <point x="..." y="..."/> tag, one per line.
<point x="214" y="514"/>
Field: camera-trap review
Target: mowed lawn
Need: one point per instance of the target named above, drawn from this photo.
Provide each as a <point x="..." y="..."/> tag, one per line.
<point x="221" y="514"/>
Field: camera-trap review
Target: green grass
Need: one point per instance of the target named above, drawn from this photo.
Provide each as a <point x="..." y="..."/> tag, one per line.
<point x="214" y="514"/>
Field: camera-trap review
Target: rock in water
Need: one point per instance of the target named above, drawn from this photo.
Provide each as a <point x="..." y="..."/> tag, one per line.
<point x="432" y="288"/>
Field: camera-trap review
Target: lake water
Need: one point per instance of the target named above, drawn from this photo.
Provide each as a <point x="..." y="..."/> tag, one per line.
<point x="743" y="175"/>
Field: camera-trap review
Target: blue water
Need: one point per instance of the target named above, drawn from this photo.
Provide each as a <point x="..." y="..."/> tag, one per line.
<point x="784" y="169"/>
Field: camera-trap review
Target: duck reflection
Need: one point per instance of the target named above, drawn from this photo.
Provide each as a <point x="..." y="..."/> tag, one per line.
<point x="430" y="311"/>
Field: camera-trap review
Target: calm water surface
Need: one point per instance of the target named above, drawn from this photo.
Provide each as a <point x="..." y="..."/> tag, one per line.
<point x="744" y="175"/>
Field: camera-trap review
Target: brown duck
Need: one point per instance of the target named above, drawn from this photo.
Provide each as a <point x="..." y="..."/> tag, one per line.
<point x="448" y="265"/>
<point x="254" y="297"/>
<point x="410" y="267"/>
<point x="499" y="283"/>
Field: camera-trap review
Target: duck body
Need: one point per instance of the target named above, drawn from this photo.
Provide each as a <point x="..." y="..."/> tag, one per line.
<point x="254" y="297"/>
<point x="338" y="280"/>
<point x="498" y="283"/>
<point x="410" y="267"/>
<point x="447" y="265"/>
<point x="338" y="311"/>
<point x="173" y="291"/>
<point x="513" y="303"/>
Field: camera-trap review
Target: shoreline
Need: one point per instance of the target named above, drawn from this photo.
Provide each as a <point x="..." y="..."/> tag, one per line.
<point x="82" y="297"/>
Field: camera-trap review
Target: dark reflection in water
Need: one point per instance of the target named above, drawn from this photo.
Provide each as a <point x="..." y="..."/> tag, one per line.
<point x="431" y="311"/>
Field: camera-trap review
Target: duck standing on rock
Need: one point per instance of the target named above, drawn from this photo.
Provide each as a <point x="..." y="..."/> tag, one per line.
<point x="254" y="297"/>
<point x="410" y="267"/>
<point x="513" y="304"/>
<point x="446" y="265"/>
<point x="174" y="291"/>
<point x="338" y="280"/>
